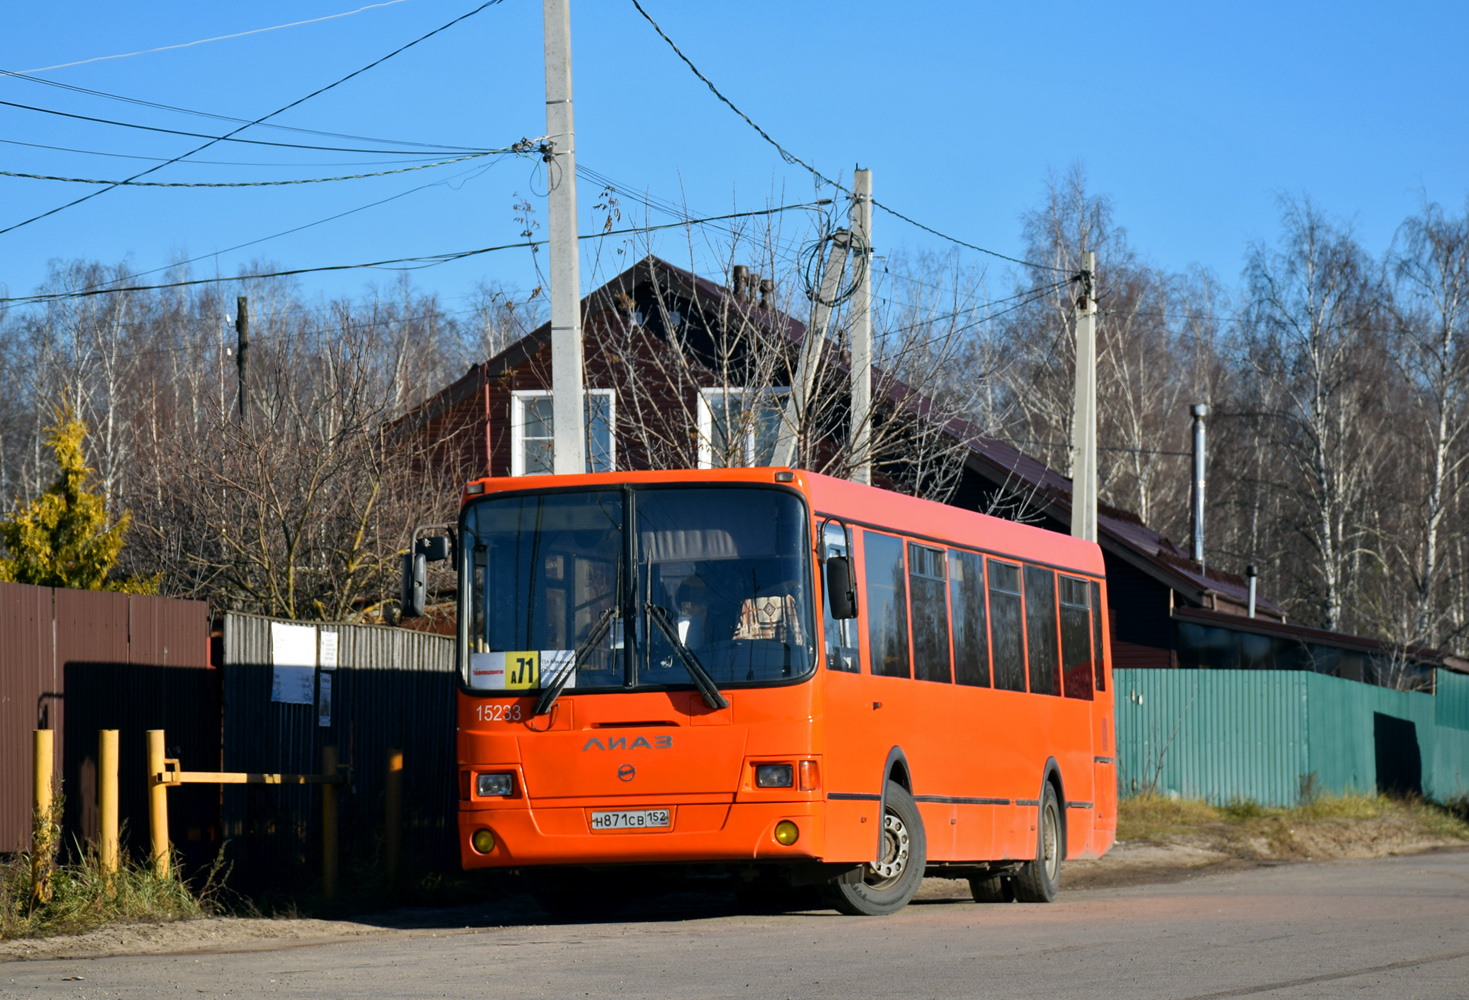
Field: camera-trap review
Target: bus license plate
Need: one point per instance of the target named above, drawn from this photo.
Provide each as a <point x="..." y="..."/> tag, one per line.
<point x="632" y="819"/>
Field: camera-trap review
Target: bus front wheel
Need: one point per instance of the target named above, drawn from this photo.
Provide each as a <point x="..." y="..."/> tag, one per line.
<point x="1038" y="880"/>
<point x="892" y="880"/>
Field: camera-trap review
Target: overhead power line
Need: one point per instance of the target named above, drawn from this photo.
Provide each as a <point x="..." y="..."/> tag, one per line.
<point x="1029" y="295"/>
<point x="397" y="157"/>
<point x="426" y="260"/>
<point x="226" y="118"/>
<point x="519" y="147"/>
<point x="280" y="110"/>
<point x="217" y="38"/>
<point x="478" y="169"/>
<point x="795" y="160"/>
<point x="230" y="137"/>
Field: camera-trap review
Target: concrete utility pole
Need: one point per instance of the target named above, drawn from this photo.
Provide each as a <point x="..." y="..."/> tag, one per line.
<point x="861" y="433"/>
<point x="1084" y="411"/>
<point x="242" y="347"/>
<point x="788" y="437"/>
<point x="1199" y="411"/>
<point x="568" y="456"/>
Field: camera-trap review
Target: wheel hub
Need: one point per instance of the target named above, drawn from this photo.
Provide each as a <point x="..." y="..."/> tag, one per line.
<point x="1050" y="842"/>
<point x="895" y="846"/>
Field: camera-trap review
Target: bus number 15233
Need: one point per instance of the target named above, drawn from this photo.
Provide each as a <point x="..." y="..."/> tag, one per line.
<point x="498" y="713"/>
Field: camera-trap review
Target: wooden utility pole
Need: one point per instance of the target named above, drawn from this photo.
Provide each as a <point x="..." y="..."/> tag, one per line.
<point x="861" y="432"/>
<point x="568" y="437"/>
<point x="242" y="346"/>
<point x="1084" y="412"/>
<point x="788" y="437"/>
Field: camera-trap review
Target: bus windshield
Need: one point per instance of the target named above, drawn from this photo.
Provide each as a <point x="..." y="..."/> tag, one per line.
<point x="723" y="571"/>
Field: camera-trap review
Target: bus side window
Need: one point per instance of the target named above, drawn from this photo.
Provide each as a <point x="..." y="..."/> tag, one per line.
<point x="971" y="637"/>
<point x="1076" y="639"/>
<point x="1040" y="629"/>
<point x="841" y="636"/>
<point x="929" y="593"/>
<point x="885" y="603"/>
<point x="1098" y="659"/>
<point x="1007" y="623"/>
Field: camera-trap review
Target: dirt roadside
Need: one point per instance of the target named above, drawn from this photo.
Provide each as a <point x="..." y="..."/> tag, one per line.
<point x="1163" y="848"/>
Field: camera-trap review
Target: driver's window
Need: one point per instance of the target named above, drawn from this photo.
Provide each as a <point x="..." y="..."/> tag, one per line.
<point x="841" y="636"/>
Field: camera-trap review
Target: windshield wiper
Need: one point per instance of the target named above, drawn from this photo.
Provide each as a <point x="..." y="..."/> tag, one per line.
<point x="552" y="691"/>
<point x="702" y="680"/>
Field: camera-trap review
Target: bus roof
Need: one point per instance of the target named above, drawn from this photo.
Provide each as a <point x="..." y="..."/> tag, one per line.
<point x="854" y="503"/>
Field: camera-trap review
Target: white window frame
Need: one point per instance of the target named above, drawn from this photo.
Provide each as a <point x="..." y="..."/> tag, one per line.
<point x="706" y="419"/>
<point x="518" y="399"/>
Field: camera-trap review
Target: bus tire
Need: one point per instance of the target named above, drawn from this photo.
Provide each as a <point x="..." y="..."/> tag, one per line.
<point x="1038" y="880"/>
<point x="992" y="889"/>
<point x="892" y="880"/>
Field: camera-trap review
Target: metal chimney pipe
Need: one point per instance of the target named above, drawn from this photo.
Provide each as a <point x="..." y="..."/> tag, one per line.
<point x="1200" y="411"/>
<point x="741" y="278"/>
<point x="1250" y="575"/>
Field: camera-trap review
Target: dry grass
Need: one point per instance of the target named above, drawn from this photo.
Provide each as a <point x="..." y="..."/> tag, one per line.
<point x="81" y="896"/>
<point x="1324" y="826"/>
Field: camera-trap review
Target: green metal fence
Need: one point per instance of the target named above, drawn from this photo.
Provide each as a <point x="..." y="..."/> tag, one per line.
<point x="1273" y="735"/>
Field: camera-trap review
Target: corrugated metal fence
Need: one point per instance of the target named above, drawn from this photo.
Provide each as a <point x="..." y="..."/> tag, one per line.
<point x="1272" y="735"/>
<point x="76" y="661"/>
<point x="390" y="688"/>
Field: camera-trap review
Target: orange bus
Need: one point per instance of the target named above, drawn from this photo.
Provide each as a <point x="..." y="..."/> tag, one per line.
<point x="772" y="673"/>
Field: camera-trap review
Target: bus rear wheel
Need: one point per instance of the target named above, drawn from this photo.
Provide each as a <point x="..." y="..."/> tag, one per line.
<point x="892" y="880"/>
<point x="992" y="889"/>
<point x="1038" y="880"/>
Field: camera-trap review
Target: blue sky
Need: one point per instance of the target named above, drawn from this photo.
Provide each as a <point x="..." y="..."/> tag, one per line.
<point x="1193" y="118"/>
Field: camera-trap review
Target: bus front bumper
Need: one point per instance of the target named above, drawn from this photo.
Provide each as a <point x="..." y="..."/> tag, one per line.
<point x="700" y="831"/>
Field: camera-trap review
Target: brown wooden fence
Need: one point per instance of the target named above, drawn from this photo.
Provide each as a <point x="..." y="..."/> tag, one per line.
<point x="77" y="661"/>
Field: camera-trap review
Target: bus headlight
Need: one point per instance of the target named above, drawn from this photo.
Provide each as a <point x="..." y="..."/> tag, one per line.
<point x="773" y="775"/>
<point x="489" y="785"/>
<point x="786" y="833"/>
<point x="482" y="841"/>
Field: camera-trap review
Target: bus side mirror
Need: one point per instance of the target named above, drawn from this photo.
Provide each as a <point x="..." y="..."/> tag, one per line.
<point x="840" y="596"/>
<point x="434" y="548"/>
<point x="415" y="579"/>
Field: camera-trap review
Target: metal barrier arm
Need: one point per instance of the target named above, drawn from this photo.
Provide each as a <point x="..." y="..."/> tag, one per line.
<point x="170" y="775"/>
<point x="164" y="773"/>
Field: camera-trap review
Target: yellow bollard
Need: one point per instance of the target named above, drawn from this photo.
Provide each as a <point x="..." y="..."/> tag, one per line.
<point x="157" y="803"/>
<point x="393" y="820"/>
<point x="329" y="824"/>
<point x="107" y="800"/>
<point x="42" y="831"/>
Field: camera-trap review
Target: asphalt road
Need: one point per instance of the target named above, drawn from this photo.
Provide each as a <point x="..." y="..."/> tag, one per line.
<point x="1396" y="927"/>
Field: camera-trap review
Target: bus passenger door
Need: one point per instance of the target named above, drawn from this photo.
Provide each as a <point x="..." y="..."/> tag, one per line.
<point x="853" y="759"/>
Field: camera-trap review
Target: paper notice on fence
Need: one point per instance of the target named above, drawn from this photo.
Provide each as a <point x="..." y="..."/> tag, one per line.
<point x="328" y="650"/>
<point x="324" y="700"/>
<point x="293" y="657"/>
